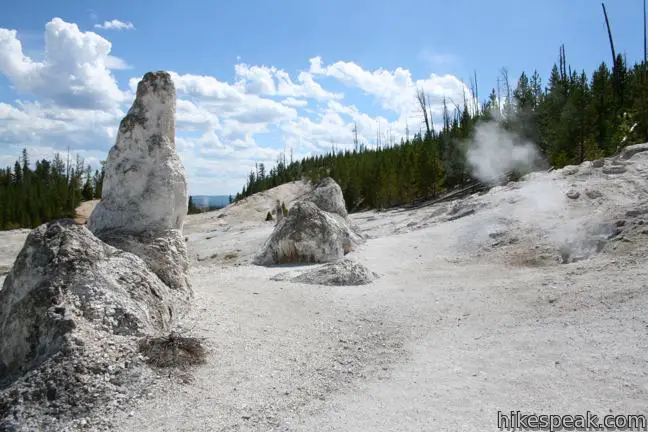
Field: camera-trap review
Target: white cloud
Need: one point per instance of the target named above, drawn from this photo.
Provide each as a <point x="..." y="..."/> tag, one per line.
<point x="256" y="110"/>
<point x="215" y="168"/>
<point x="29" y="123"/>
<point x="10" y="113"/>
<point x="206" y="100"/>
<point x="203" y="86"/>
<point x="395" y="90"/>
<point x="116" y="63"/>
<point x="115" y="25"/>
<point x="189" y="114"/>
<point x="223" y="127"/>
<point x="256" y="79"/>
<point x="270" y="81"/>
<point x="75" y="72"/>
<point x="290" y="101"/>
<point x="335" y="127"/>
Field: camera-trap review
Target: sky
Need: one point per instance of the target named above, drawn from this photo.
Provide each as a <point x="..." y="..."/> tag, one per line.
<point x="257" y="78"/>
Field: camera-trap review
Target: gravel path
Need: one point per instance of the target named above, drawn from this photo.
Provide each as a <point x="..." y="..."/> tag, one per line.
<point x="441" y="340"/>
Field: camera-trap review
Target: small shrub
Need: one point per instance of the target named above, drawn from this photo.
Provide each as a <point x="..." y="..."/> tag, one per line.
<point x="173" y="351"/>
<point x="284" y="209"/>
<point x="269" y="217"/>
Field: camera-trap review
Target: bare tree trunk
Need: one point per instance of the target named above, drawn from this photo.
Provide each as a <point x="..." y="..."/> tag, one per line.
<point x="355" y="136"/>
<point x="476" y="92"/>
<point x="507" y="88"/>
<point x="607" y="23"/>
<point x="424" y="108"/>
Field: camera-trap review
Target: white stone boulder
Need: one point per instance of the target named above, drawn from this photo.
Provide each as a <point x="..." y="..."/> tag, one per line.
<point x="327" y="195"/>
<point x="144" y="187"/>
<point x="165" y="254"/>
<point x="629" y="151"/>
<point x="343" y="272"/>
<point x="64" y="282"/>
<point x="307" y="235"/>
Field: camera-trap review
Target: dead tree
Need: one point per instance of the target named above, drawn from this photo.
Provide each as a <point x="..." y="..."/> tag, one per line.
<point x="423" y="102"/>
<point x="476" y="94"/>
<point x="645" y="47"/>
<point x="607" y="23"/>
<point x="507" y="89"/>
<point x="355" y="136"/>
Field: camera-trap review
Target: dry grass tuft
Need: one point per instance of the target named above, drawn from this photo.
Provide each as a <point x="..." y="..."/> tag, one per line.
<point x="173" y="350"/>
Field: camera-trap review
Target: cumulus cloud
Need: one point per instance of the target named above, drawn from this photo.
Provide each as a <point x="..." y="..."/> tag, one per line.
<point x="75" y="72"/>
<point x="116" y="63"/>
<point x="31" y="123"/>
<point x="257" y="110"/>
<point x="115" y="25"/>
<point x="190" y="114"/>
<point x="395" y="90"/>
<point x="203" y="86"/>
<point x="217" y="168"/>
<point x="334" y="127"/>
<point x="270" y="81"/>
<point x="207" y="100"/>
<point x="290" y="101"/>
<point x="223" y="126"/>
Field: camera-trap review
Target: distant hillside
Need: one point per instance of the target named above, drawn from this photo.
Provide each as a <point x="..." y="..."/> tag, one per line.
<point x="210" y="201"/>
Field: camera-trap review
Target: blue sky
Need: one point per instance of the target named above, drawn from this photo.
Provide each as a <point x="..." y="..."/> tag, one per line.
<point x="256" y="77"/>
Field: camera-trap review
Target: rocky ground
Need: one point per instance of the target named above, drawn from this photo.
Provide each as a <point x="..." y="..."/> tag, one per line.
<point x="531" y="297"/>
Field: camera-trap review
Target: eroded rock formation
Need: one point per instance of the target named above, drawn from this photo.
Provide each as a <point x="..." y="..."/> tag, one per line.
<point x="307" y="235"/>
<point x="327" y="195"/>
<point x="144" y="187"/>
<point x="144" y="200"/>
<point x="316" y="230"/>
<point x="65" y="279"/>
<point x="344" y="272"/>
<point x="77" y="299"/>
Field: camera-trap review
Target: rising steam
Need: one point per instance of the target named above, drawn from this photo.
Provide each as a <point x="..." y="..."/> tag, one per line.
<point x="538" y="204"/>
<point x="494" y="152"/>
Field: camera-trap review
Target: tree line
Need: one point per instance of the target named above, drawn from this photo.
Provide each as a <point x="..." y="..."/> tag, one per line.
<point x="572" y="118"/>
<point x="51" y="190"/>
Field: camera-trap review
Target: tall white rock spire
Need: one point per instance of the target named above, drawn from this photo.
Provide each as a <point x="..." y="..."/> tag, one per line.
<point x="145" y="188"/>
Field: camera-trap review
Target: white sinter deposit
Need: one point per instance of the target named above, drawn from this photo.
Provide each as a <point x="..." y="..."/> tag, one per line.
<point x="144" y="199"/>
<point x="144" y="188"/>
<point x="75" y="303"/>
<point x="316" y="230"/>
<point x="327" y="195"/>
